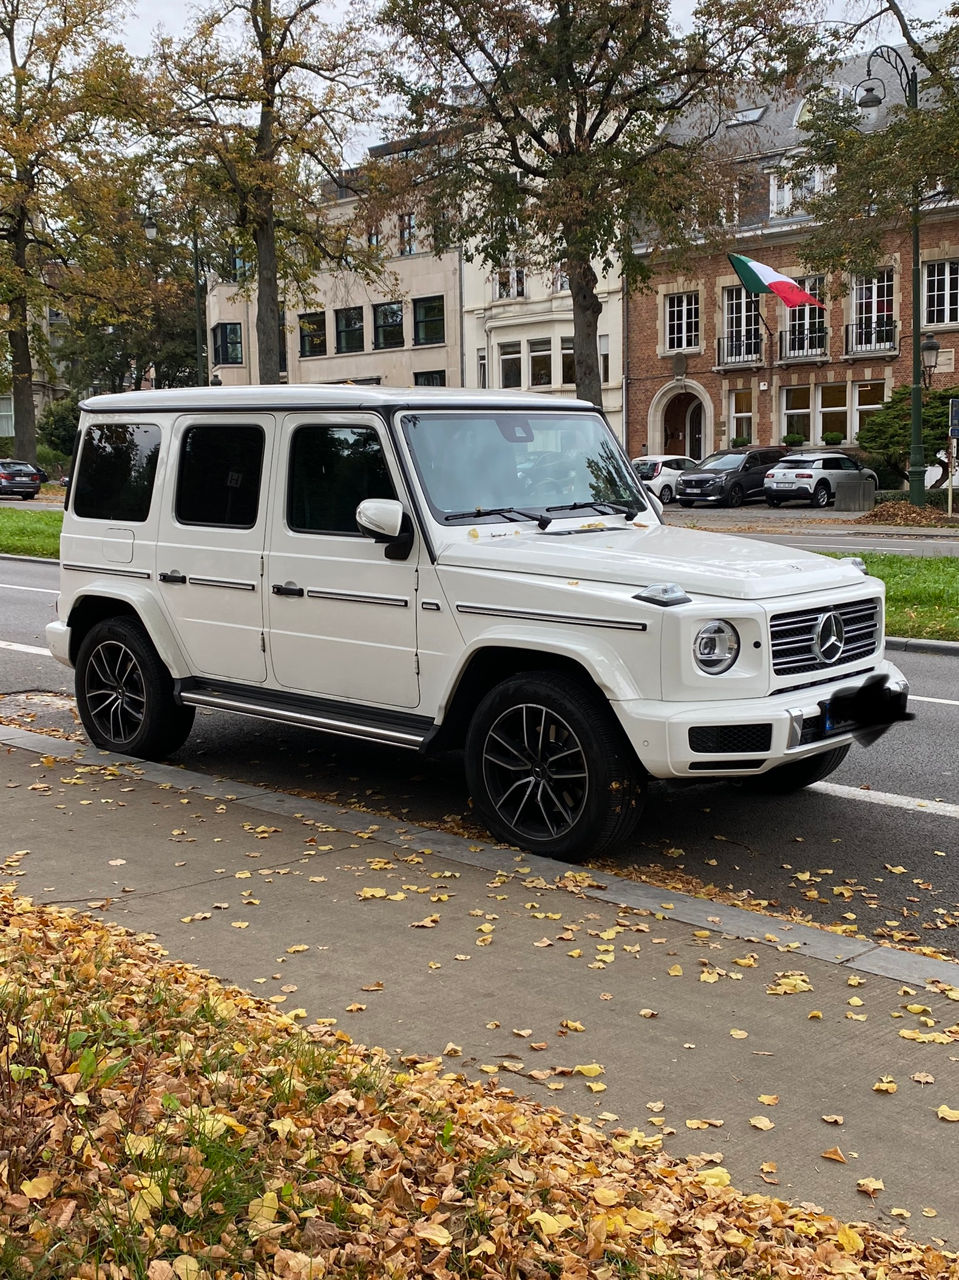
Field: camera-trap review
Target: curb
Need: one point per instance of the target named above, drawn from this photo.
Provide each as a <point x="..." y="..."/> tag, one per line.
<point x="5" y="555"/>
<point x="948" y="647"/>
<point x="856" y="954"/>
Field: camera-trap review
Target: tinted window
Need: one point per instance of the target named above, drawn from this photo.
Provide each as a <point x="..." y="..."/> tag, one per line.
<point x="219" y="476"/>
<point x="114" y="477"/>
<point x="332" y="469"/>
<point x="722" y="462"/>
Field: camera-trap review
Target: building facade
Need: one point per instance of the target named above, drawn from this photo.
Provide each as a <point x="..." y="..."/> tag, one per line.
<point x="710" y="365"/>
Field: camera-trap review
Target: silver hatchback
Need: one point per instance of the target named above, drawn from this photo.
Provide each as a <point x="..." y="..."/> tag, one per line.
<point x="812" y="478"/>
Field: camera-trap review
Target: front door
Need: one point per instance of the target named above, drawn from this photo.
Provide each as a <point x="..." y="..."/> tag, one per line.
<point x="694" y="430"/>
<point x="341" y="616"/>
<point x="210" y="543"/>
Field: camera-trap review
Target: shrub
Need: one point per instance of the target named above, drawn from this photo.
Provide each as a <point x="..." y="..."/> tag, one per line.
<point x="833" y="437"/>
<point x="793" y="438"/>
<point x="739" y="441"/>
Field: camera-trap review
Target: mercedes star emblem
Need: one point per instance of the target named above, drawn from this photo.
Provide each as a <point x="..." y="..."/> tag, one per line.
<point x="830" y="636"/>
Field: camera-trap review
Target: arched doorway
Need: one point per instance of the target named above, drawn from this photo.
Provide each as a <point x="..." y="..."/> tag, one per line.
<point x="683" y="425"/>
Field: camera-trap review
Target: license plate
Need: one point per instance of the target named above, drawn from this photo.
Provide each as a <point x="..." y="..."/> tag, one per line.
<point x="782" y="484"/>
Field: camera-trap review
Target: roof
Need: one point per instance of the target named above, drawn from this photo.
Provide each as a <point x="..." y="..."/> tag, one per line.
<point x="307" y="396"/>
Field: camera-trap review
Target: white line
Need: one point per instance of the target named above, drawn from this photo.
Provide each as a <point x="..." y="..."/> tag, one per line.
<point x="941" y="808"/>
<point x="946" y="702"/>
<point x="23" y="648"/>
<point x="46" y="591"/>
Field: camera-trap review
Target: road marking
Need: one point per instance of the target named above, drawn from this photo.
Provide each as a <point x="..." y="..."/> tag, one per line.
<point x="946" y="702"/>
<point x="24" y="648"/>
<point x="941" y="808"/>
<point x="46" y="591"/>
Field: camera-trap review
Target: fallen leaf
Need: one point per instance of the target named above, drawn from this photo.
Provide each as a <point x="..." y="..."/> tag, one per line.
<point x="761" y="1122"/>
<point x="947" y="1113"/>
<point x="834" y="1154"/>
<point x="870" y="1186"/>
<point x="833" y="1119"/>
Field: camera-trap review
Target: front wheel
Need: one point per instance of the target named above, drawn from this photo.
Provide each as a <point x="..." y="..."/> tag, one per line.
<point x="800" y="773"/>
<point x="125" y="693"/>
<point x="773" y="502"/>
<point x="666" y="495"/>
<point x="685" y="502"/>
<point x="820" y="495"/>
<point x="549" y="768"/>
<point x="735" y="496"/>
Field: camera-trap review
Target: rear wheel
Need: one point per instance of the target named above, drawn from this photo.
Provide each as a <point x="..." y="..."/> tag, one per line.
<point x="666" y="495"/>
<point x="800" y="773"/>
<point x="821" y="495"/>
<point x="549" y="768"/>
<point x="125" y="693"/>
<point x="774" y="502"/>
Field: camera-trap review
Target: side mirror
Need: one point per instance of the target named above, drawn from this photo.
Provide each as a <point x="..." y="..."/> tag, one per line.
<point x="384" y="520"/>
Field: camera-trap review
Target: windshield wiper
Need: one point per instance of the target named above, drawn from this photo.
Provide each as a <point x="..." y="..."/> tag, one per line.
<point x="601" y="508"/>
<point x="544" y="521"/>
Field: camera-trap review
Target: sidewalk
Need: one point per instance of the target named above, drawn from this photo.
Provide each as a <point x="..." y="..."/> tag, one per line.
<point x="425" y="943"/>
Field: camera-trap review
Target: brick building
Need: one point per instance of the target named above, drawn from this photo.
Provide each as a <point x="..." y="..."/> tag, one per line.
<point x="708" y="363"/>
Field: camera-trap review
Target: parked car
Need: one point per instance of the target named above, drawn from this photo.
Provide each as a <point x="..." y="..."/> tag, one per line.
<point x="18" y="479"/>
<point x="380" y="563"/>
<point x="660" y="471"/>
<point x="812" y="477"/>
<point x="729" y="477"/>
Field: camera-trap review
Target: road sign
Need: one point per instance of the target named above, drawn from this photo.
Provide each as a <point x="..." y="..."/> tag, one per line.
<point x="954" y="417"/>
<point x="954" y="433"/>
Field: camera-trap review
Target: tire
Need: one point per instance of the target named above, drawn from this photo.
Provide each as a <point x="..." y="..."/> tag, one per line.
<point x="774" y="502"/>
<point x="685" y="502"/>
<point x="518" y="736"/>
<point x="821" y="495"/>
<point x="125" y="693"/>
<point x="666" y="495"/>
<point x="800" y="773"/>
<point x="735" y="496"/>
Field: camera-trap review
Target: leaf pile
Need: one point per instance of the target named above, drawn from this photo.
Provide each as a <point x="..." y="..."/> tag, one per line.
<point x="904" y="513"/>
<point x="155" y="1123"/>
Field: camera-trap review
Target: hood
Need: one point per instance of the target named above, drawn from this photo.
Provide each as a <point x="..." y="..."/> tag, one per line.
<point x="699" y="474"/>
<point x="708" y="564"/>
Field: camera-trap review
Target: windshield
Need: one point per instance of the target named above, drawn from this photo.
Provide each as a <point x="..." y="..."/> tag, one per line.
<point x="722" y="462"/>
<point x="499" y="465"/>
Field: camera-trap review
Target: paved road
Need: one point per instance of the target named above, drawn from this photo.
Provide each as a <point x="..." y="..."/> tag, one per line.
<point x="716" y="832"/>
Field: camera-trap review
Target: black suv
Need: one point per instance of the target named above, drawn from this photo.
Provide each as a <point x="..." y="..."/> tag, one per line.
<point x="729" y="477"/>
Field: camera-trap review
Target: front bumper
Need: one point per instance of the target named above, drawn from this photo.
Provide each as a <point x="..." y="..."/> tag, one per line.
<point x="784" y="727"/>
<point x="57" y="636"/>
<point x="701" y="497"/>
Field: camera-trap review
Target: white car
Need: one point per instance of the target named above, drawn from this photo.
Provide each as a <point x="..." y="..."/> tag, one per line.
<point x="658" y="472"/>
<point x="425" y="567"/>
<point x="812" y="478"/>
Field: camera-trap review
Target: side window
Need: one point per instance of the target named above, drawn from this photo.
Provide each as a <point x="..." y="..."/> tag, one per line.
<point x="752" y="460"/>
<point x="332" y="469"/>
<point x="849" y="464"/>
<point x="218" y="482"/>
<point x="832" y="464"/>
<point x="115" y="473"/>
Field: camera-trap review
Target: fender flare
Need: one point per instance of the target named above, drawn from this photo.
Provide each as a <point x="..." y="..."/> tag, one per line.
<point x="143" y="606"/>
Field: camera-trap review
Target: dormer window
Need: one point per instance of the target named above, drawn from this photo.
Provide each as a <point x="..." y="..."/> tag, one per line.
<point x="746" y="115"/>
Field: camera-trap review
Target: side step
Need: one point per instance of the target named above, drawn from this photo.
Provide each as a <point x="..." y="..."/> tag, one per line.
<point x="349" y="720"/>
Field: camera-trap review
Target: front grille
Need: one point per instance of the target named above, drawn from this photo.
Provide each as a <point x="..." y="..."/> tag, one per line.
<point x="793" y="636"/>
<point x="730" y="739"/>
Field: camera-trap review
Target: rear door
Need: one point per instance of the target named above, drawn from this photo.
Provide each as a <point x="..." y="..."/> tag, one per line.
<point x="341" y="616"/>
<point x="209" y="557"/>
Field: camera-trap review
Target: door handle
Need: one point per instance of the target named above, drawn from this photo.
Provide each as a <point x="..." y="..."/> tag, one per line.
<point x="286" y="589"/>
<point x="179" y="578"/>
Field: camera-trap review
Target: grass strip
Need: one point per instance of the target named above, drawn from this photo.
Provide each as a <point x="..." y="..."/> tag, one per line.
<point x="30" y="533"/>
<point x="159" y="1125"/>
<point x="922" y="594"/>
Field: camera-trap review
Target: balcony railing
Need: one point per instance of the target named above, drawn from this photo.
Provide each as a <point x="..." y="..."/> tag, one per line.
<point x="863" y="337"/>
<point x="802" y="344"/>
<point x="740" y="349"/>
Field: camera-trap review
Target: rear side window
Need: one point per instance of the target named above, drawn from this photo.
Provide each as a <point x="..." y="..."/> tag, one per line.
<point x="332" y="469"/>
<point x="116" y="470"/>
<point x="218" y="482"/>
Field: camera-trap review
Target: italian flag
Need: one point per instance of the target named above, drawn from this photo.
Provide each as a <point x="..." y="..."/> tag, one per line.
<point x="758" y="278"/>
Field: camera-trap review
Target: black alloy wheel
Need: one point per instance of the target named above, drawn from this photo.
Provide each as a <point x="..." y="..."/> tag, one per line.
<point x="735" y="496"/>
<point x="125" y="693"/>
<point x="550" y="769"/>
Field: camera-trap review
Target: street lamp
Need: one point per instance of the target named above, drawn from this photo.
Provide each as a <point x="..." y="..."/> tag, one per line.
<point x="929" y="351"/>
<point x="871" y="99"/>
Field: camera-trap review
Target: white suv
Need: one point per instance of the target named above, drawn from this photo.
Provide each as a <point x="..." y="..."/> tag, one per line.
<point x="813" y="478"/>
<point x="424" y="566"/>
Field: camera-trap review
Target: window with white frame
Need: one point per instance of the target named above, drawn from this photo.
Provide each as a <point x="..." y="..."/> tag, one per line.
<point x="805" y="334"/>
<point x="540" y="362"/>
<point x="509" y="282"/>
<point x="741" y="415"/>
<point x="560" y="278"/>
<point x="568" y="360"/>
<point x="741" y="340"/>
<point x="6" y="415"/>
<point x="870" y="396"/>
<point x="797" y="415"/>
<point x="510" y="365"/>
<point x="789" y="190"/>
<point x="682" y="321"/>
<point x="407" y="230"/>
<point x="833" y="410"/>
<point x="873" y="327"/>
<point x="942" y="293"/>
<point x="604" y="357"/>
<point x="482" y="375"/>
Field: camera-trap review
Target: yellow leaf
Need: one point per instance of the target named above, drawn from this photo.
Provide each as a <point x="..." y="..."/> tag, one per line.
<point x="947" y="1113"/>
<point x="834" y="1154"/>
<point x="815" y="1014"/>
<point x="768" y="1099"/>
<point x="737" y="1034"/>
<point x="607" y="1195"/>
<point x="715" y="1177"/>
<point x="365" y="894"/>
<point x="575" y="953"/>
<point x="870" y="1186"/>
<point x="855" y="1002"/>
<point x="37" y="1188"/>
<point x="433" y="1232"/>
<point x="886" y="1084"/>
<point x="240" y="924"/>
<point x="548" y="1225"/>
<point x="589" y="1069"/>
<point x="849" y="1240"/>
<point x="761" y="1122"/>
<point x="675" y="971"/>
<point x="595" y="1086"/>
<point x="832" y="1119"/>
<point x="187" y="1268"/>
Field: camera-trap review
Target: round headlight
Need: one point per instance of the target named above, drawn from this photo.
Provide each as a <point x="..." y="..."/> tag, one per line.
<point x="716" y="647"/>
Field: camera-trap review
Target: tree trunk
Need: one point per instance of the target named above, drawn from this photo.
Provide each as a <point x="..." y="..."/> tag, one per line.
<point x="267" y="298"/>
<point x="21" y="365"/>
<point x="586" y="311"/>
